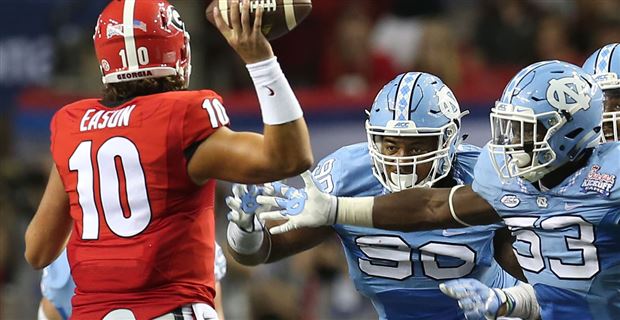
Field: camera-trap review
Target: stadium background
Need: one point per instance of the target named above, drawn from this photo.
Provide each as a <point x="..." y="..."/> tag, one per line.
<point x="336" y="61"/>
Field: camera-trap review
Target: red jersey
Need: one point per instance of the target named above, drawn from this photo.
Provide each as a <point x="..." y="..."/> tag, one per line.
<point x="143" y="234"/>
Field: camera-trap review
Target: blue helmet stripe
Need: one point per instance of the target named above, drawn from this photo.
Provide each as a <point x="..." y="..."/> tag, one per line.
<point x="611" y="55"/>
<point x="509" y="91"/>
<point x="403" y="96"/>
<point x="603" y="58"/>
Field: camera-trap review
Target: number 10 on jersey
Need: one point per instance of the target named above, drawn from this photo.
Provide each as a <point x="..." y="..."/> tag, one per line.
<point x="116" y="158"/>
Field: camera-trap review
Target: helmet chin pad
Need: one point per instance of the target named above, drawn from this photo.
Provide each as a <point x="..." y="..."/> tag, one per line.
<point x="402" y="181"/>
<point x="521" y="159"/>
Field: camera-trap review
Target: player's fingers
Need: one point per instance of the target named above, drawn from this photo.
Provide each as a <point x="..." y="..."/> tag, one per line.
<point x="467" y="303"/>
<point x="221" y="25"/>
<point x="279" y="188"/>
<point x="268" y="189"/>
<point x="446" y="290"/>
<point x="474" y="314"/>
<point x="245" y="17"/>
<point x="234" y="216"/>
<point x="269" y="200"/>
<point x="308" y="181"/>
<point x="235" y="22"/>
<point x="253" y="190"/>
<point x="245" y="189"/>
<point x="238" y="190"/>
<point x="258" y="20"/>
<point x="283" y="189"/>
<point x="233" y="203"/>
<point x="453" y="290"/>
<point x="272" y="215"/>
<point x="231" y="216"/>
<point x="286" y="227"/>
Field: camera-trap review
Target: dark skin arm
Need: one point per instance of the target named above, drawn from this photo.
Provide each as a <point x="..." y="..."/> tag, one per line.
<point x="505" y="256"/>
<point x="420" y="209"/>
<point x="283" y="245"/>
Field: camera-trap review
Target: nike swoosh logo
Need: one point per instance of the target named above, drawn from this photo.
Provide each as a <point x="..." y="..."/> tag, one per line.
<point x="571" y="206"/>
<point x="450" y="233"/>
<point x="271" y="92"/>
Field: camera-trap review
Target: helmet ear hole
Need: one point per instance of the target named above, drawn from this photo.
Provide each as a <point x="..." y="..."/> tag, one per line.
<point x="571" y="135"/>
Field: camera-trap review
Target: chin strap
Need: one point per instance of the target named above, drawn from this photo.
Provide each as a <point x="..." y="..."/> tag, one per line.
<point x="402" y="181"/>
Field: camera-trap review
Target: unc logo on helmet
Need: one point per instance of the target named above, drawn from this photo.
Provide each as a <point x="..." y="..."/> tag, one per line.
<point x="447" y="103"/>
<point x="417" y="106"/>
<point x="548" y="115"/>
<point x="568" y="94"/>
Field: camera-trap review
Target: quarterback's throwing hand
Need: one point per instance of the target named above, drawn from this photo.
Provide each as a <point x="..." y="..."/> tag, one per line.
<point x="308" y="207"/>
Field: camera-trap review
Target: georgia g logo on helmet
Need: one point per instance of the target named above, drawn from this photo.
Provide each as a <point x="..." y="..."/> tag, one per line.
<point x="569" y="94"/>
<point x="175" y="18"/>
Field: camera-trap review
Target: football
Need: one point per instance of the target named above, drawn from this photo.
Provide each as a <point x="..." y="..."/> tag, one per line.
<point x="279" y="16"/>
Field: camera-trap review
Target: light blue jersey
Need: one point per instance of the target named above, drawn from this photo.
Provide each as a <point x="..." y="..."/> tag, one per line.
<point x="568" y="238"/>
<point x="401" y="272"/>
<point x="57" y="285"/>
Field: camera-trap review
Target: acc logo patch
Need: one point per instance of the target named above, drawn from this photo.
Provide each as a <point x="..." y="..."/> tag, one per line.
<point x="510" y="200"/>
<point x="402" y="125"/>
<point x="598" y="182"/>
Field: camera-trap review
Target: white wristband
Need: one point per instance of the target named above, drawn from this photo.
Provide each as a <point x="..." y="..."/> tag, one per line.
<point x="451" y="206"/>
<point x="355" y="211"/>
<point x="243" y="242"/>
<point x="277" y="101"/>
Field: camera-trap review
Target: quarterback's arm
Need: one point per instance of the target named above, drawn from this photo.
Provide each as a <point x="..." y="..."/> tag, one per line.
<point x="49" y="230"/>
<point x="280" y="246"/>
<point x="505" y="256"/>
<point x="245" y="157"/>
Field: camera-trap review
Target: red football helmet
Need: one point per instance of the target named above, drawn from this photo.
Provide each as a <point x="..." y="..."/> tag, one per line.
<point x="138" y="39"/>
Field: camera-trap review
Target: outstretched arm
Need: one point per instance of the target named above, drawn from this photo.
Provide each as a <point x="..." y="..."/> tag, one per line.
<point x="284" y="149"/>
<point x="429" y="208"/>
<point x="252" y="244"/>
<point x="409" y="210"/>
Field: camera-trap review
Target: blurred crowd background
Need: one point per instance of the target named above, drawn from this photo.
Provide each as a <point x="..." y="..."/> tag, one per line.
<point x="336" y="61"/>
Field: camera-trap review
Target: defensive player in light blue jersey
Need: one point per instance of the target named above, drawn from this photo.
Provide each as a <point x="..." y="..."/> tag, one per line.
<point x="604" y="66"/>
<point x="413" y="141"/>
<point x="545" y="174"/>
<point x="57" y="287"/>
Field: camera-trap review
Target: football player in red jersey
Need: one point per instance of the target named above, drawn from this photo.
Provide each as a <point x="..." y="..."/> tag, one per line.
<point x="132" y="189"/>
